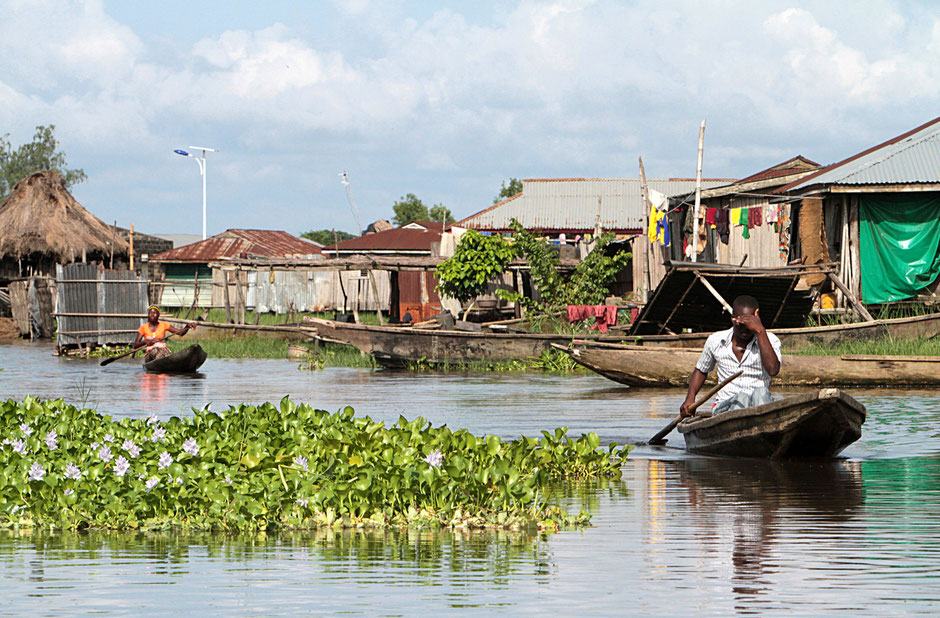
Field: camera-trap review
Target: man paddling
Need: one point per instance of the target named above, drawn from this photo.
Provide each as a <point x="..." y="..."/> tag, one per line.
<point x="745" y="346"/>
<point x="152" y="332"/>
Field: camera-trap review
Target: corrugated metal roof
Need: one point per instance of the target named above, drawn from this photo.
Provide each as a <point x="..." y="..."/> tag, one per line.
<point x="790" y="166"/>
<point x="571" y="204"/>
<point x="235" y="242"/>
<point x="910" y="158"/>
<point x="401" y="239"/>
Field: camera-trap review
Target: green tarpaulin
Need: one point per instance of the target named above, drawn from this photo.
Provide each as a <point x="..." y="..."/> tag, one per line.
<point x="899" y="244"/>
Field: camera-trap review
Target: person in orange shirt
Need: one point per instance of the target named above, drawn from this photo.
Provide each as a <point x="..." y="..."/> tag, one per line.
<point x="152" y="333"/>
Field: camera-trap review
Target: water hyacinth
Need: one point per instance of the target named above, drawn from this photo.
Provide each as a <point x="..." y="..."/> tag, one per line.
<point x="151" y="483"/>
<point x="191" y="447"/>
<point x="121" y="465"/>
<point x="435" y="458"/>
<point x="72" y="471"/>
<point x="301" y="462"/>
<point x="68" y="492"/>
<point x="95" y="445"/>
<point x="131" y="449"/>
<point x="108" y="437"/>
<point x="165" y="460"/>
<point x="104" y="453"/>
<point x="52" y="440"/>
<point x="152" y="419"/>
<point x="36" y="471"/>
<point x="159" y="434"/>
<point x="302" y="501"/>
<point x="19" y="446"/>
<point x="26" y="429"/>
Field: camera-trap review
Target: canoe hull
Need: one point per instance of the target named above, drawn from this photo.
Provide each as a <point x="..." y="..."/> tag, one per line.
<point x="642" y="366"/>
<point x="819" y="424"/>
<point x="184" y="361"/>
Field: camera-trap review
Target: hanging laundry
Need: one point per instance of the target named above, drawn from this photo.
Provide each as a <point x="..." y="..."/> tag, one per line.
<point x="755" y="217"/>
<point x="662" y="231"/>
<point x="722" y="225"/>
<point x="711" y="217"/>
<point x="746" y="232"/>
<point x="655" y="216"/>
<point x="772" y="210"/>
<point x="736" y="216"/>
<point x="783" y="220"/>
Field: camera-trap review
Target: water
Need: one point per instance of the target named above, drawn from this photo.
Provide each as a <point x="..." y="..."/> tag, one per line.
<point x="678" y="533"/>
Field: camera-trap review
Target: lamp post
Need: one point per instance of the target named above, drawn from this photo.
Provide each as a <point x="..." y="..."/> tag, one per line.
<point x="202" y="170"/>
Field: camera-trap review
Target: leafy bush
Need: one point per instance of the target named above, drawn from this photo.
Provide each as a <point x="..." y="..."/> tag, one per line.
<point x="477" y="260"/>
<point x="288" y="466"/>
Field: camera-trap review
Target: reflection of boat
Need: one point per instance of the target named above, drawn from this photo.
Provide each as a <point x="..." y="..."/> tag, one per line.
<point x="184" y="361"/>
<point x="398" y="346"/>
<point x="649" y="366"/>
<point x="819" y="424"/>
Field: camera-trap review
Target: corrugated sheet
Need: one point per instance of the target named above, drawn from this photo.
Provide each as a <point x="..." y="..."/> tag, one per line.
<point x="317" y="290"/>
<point x="910" y="158"/>
<point x="403" y="239"/>
<point x="572" y="204"/>
<point x="84" y="289"/>
<point x="235" y="242"/>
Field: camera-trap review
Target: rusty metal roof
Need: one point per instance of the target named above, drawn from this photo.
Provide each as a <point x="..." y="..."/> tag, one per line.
<point x="910" y="158"/>
<point x="415" y="238"/>
<point x="574" y="205"/>
<point x="234" y="243"/>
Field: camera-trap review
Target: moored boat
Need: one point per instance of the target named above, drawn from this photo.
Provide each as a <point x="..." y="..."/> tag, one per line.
<point x="650" y="366"/>
<point x="819" y="424"/>
<point x="184" y="361"/>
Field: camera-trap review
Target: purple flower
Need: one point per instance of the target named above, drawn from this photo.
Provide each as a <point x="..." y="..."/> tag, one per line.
<point x="68" y="492"/>
<point x="191" y="447"/>
<point x="26" y="429"/>
<point x="5" y="441"/>
<point x="120" y="466"/>
<point x="94" y="445"/>
<point x="179" y="480"/>
<point x="132" y="449"/>
<point x="165" y="460"/>
<point x="151" y="483"/>
<point x="301" y="461"/>
<point x="52" y="440"/>
<point x="228" y="480"/>
<point x="159" y="434"/>
<point x="19" y="446"/>
<point x="108" y="437"/>
<point x="36" y="472"/>
<point x="105" y="453"/>
<point x="152" y="419"/>
<point x="435" y="458"/>
<point x="72" y="471"/>
<point x="302" y="501"/>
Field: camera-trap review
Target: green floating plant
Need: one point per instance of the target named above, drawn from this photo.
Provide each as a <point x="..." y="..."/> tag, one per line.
<point x="279" y="467"/>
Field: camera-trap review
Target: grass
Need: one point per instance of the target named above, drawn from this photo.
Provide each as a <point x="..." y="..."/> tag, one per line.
<point x="879" y="347"/>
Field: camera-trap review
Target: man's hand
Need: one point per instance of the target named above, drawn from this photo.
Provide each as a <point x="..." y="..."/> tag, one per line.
<point x="684" y="411"/>
<point x="750" y="322"/>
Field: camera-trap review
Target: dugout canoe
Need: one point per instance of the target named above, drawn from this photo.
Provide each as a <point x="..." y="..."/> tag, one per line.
<point x="399" y="346"/>
<point x="650" y="366"/>
<point x="184" y="361"/>
<point x="818" y="424"/>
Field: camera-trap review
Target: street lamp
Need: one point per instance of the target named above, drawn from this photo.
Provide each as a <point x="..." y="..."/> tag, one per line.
<point x="202" y="170"/>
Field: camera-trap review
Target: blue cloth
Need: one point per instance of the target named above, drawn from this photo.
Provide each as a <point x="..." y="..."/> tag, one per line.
<point x="745" y="399"/>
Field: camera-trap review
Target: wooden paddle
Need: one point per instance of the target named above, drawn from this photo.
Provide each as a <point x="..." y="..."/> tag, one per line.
<point x="108" y="361"/>
<point x="658" y="438"/>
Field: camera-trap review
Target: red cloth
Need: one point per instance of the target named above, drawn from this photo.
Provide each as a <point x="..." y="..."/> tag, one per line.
<point x="711" y="217"/>
<point x="605" y="315"/>
<point x="755" y="217"/>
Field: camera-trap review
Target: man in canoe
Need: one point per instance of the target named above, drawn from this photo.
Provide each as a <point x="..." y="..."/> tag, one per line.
<point x="153" y="332"/>
<point x="745" y="346"/>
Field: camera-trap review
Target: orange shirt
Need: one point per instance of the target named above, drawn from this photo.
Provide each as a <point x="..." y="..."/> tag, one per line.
<point x="159" y="332"/>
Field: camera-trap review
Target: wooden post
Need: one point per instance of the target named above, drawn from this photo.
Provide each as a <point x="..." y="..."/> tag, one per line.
<point x="375" y="292"/>
<point x="130" y="237"/>
<point x="225" y="296"/>
<point x="644" y="240"/>
<point x="851" y="297"/>
<point x="698" y="192"/>
<point x="714" y="292"/>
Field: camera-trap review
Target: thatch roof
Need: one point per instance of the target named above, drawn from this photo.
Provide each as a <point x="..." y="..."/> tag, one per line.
<point x="41" y="216"/>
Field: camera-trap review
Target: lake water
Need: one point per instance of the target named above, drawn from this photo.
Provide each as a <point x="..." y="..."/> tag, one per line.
<point x="677" y="534"/>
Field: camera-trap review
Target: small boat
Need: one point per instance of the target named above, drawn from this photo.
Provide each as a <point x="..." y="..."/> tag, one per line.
<point x="184" y="361"/>
<point x="819" y="424"/>
<point x="650" y="366"/>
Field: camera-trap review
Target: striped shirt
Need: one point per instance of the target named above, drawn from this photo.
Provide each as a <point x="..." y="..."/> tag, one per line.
<point x="718" y="351"/>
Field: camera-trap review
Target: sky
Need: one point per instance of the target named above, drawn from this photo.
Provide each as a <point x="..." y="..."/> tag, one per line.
<point x="445" y="100"/>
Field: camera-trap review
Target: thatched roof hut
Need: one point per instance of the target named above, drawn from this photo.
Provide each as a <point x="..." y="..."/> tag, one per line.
<point x="41" y="224"/>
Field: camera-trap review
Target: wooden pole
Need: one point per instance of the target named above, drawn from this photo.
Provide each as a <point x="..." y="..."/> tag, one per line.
<point x="658" y="438"/>
<point x="225" y="296"/>
<point x="375" y="292"/>
<point x="647" y="246"/>
<point x="851" y="297"/>
<point x="130" y="237"/>
<point x="714" y="292"/>
<point x="698" y="192"/>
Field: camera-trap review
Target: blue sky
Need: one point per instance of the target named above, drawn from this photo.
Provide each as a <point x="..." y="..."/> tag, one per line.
<point x="444" y="100"/>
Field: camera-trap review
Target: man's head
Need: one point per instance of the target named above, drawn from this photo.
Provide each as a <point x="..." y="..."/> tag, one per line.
<point x="743" y="305"/>
<point x="153" y="313"/>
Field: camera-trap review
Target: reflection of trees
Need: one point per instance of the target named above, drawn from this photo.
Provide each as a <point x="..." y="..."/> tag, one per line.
<point x="422" y="555"/>
<point x="739" y="502"/>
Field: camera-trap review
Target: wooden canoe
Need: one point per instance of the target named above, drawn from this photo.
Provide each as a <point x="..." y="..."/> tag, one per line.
<point x="914" y="327"/>
<point x="184" y="361"/>
<point x="398" y="346"/>
<point x="649" y="366"/>
<point x="819" y="424"/>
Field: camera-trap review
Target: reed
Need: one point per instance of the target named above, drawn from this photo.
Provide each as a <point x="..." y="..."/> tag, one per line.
<point x="881" y="347"/>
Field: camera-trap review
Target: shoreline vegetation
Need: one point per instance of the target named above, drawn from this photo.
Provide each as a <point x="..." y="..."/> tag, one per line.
<point x="280" y="467"/>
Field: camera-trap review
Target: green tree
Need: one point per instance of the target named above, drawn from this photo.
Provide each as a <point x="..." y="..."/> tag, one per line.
<point x="513" y="188"/>
<point x="439" y="212"/>
<point x="40" y="154"/>
<point x="325" y="237"/>
<point x="408" y="209"/>
<point x="477" y="260"/>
